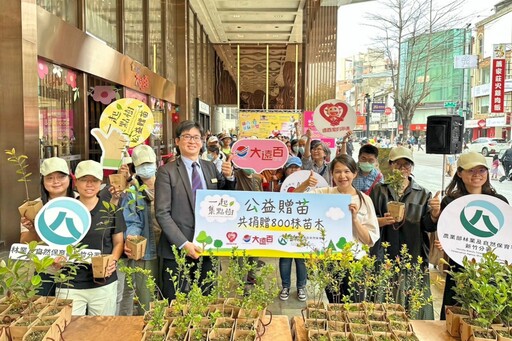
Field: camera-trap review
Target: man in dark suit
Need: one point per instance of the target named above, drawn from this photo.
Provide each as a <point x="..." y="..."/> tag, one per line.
<point x="175" y="200"/>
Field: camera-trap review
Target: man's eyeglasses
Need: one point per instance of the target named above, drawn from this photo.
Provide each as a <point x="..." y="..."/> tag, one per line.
<point x="187" y="138"/>
<point x="474" y="171"/>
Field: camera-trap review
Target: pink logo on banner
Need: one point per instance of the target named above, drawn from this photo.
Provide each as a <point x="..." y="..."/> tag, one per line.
<point x="308" y="124"/>
<point x="259" y="154"/>
<point x="334" y="118"/>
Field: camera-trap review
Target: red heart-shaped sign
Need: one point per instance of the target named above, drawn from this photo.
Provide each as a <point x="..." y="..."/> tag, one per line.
<point x="334" y="113"/>
<point x="231" y="236"/>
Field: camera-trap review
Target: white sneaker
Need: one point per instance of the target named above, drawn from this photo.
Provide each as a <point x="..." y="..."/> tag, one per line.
<point x="285" y="294"/>
<point x="302" y="294"/>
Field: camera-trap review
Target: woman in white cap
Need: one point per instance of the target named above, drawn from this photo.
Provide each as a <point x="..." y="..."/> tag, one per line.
<point x="418" y="220"/>
<point x="56" y="182"/>
<point x="139" y="214"/>
<point x="89" y="296"/>
<point x="471" y="177"/>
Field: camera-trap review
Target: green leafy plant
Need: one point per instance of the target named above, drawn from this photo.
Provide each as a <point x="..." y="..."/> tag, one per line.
<point x="20" y="279"/>
<point x="395" y="180"/>
<point x="21" y="162"/>
<point x="483" y="288"/>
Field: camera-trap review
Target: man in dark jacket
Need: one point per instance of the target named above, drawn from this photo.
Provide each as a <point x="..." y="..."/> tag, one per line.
<point x="506" y="160"/>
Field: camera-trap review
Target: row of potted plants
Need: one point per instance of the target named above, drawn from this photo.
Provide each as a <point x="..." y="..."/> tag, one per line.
<point x="484" y="291"/>
<point x="21" y="309"/>
<point x="222" y="307"/>
<point x="389" y="290"/>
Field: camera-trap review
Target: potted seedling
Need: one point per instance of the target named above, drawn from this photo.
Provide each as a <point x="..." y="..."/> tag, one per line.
<point x="29" y="208"/>
<point x="136" y="244"/>
<point x="395" y="181"/>
<point x="100" y="263"/>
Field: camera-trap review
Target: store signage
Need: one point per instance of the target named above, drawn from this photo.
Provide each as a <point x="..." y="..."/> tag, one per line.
<point x="450" y="104"/>
<point x="293" y="180"/>
<point x="499" y="68"/>
<point x="264" y="124"/>
<point x="465" y="62"/>
<point x="481" y="123"/>
<point x="496" y="121"/>
<point x="256" y="222"/>
<point x="259" y="154"/>
<point x="471" y="124"/>
<point x="472" y="224"/>
<point x="388" y="111"/>
<point x="485" y="89"/>
<point x="378" y="107"/>
<point x="334" y="118"/>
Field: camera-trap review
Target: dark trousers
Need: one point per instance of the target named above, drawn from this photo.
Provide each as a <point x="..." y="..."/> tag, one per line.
<point x="507" y="166"/>
<point x="449" y="293"/>
<point x="168" y="289"/>
<point x="337" y="296"/>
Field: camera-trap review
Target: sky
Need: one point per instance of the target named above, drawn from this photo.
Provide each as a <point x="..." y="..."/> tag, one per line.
<point x="354" y="36"/>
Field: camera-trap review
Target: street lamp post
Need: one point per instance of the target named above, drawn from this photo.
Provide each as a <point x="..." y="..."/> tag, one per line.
<point x="367" y="103"/>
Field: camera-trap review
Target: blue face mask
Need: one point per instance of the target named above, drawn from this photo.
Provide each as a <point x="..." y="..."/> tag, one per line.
<point x="146" y="170"/>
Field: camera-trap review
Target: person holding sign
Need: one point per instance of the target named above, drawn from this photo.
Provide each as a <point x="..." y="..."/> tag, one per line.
<point x="365" y="226"/>
<point x="175" y="187"/>
<point x="471" y="177"/>
<point x="315" y="157"/>
<point x="56" y="182"/>
<point x="417" y="221"/>
<point x="106" y="234"/>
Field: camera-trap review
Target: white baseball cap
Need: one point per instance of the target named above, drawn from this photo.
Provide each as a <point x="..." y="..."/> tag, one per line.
<point x="142" y="154"/>
<point x="54" y="164"/>
<point x="89" y="167"/>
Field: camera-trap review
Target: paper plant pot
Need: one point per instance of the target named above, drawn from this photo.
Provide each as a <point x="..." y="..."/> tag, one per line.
<point x="137" y="247"/>
<point x="453" y="316"/>
<point x="29" y="209"/>
<point x="42" y="330"/>
<point x="396" y="210"/>
<point x="118" y="181"/>
<point x="100" y="264"/>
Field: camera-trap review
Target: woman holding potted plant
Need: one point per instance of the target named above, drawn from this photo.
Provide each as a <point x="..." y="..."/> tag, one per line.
<point x="56" y="182"/>
<point x="138" y="212"/>
<point x="365" y="227"/>
<point x="105" y="234"/>
<point x="416" y="222"/>
<point x="471" y="177"/>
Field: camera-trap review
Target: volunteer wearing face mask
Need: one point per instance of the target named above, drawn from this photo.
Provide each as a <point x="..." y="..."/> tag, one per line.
<point x="140" y="221"/>
<point x="297" y="150"/>
<point x="213" y="141"/>
<point x="368" y="175"/>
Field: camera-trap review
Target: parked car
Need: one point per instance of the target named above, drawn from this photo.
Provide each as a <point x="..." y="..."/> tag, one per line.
<point x="488" y="145"/>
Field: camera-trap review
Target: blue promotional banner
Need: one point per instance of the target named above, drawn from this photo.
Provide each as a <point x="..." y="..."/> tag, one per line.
<point x="256" y="222"/>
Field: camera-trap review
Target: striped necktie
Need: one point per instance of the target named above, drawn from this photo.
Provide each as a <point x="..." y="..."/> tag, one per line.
<point x="196" y="179"/>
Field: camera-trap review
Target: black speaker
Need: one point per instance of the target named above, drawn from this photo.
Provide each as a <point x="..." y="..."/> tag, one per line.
<point x="444" y="134"/>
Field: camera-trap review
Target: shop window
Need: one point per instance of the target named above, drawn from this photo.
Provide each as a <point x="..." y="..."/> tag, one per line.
<point x="101" y="20"/>
<point x="134" y="30"/>
<point x="60" y="124"/>
<point x="64" y="9"/>
<point x="155" y="36"/>
<point x="170" y="53"/>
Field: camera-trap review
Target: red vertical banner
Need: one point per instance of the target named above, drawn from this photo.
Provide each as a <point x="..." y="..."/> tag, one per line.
<point x="499" y="70"/>
<point x="498" y="85"/>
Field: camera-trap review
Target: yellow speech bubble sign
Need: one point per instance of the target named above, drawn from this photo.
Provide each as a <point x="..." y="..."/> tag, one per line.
<point x="131" y="116"/>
